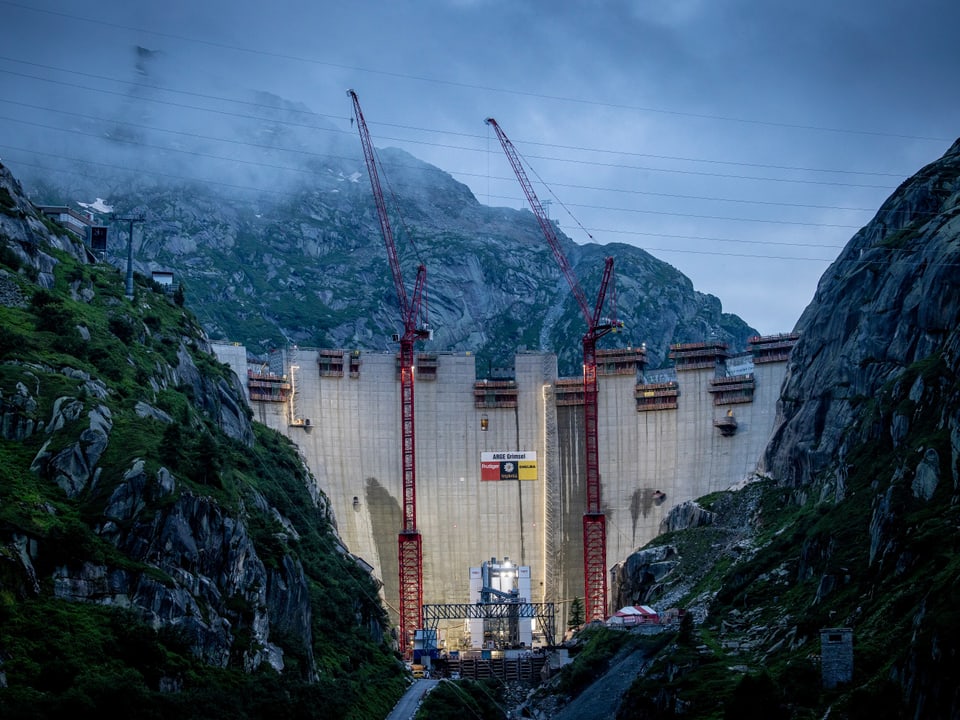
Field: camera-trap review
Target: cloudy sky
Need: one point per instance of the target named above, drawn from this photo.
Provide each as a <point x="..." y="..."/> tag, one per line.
<point x="742" y="141"/>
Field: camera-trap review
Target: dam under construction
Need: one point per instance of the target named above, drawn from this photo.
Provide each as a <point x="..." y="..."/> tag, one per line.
<point x="500" y="467"/>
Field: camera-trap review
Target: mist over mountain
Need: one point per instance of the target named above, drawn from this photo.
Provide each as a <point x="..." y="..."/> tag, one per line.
<point x="270" y="224"/>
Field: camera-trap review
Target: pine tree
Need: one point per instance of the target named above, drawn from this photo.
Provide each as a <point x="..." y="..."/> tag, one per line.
<point x="171" y="446"/>
<point x="576" y="614"/>
<point x="208" y="458"/>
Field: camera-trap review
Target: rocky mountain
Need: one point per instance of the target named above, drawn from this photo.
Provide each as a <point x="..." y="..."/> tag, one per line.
<point x="160" y="555"/>
<point x="301" y="260"/>
<point x="202" y="560"/>
<point x="829" y="586"/>
<point x="888" y="304"/>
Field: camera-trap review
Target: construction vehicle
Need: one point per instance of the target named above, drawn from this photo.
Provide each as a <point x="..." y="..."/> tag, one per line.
<point x="594" y="519"/>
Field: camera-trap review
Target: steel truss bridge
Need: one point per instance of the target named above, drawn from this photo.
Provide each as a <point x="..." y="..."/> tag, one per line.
<point x="543" y="613"/>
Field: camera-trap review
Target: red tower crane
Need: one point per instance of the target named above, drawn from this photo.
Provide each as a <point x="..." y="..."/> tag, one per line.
<point x="594" y="519"/>
<point x="410" y="552"/>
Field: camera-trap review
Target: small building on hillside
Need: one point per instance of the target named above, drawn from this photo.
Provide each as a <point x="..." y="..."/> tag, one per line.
<point x="164" y="278"/>
<point x="836" y="656"/>
<point x="632" y="615"/>
<point x="74" y="221"/>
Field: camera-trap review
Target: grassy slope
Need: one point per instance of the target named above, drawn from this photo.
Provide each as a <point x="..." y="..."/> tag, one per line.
<point x="782" y="563"/>
<point x="807" y="566"/>
<point x="58" y="657"/>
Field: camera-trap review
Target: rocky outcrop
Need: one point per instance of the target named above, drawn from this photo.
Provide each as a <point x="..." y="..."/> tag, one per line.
<point x="199" y="569"/>
<point x="18" y="413"/>
<point x="887" y="302"/>
<point x="28" y="235"/>
<point x="74" y="467"/>
<point x="17" y="573"/>
<point x="640" y="575"/>
<point x="871" y="393"/>
<point x="10" y="293"/>
<point x="688" y="514"/>
<point x="217" y="581"/>
<point x="189" y="539"/>
<point x="145" y="410"/>
<point x="216" y="397"/>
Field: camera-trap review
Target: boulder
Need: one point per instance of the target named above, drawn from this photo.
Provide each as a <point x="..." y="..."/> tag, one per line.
<point x="686" y="515"/>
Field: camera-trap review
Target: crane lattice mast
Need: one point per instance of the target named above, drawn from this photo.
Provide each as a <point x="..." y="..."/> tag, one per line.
<point x="410" y="551"/>
<point x="594" y="519"/>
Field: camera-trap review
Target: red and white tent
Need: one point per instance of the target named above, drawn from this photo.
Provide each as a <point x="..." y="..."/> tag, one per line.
<point x="634" y="615"/>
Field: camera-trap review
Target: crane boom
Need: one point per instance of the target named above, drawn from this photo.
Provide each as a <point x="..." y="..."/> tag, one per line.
<point x="545" y="225"/>
<point x="385" y="228"/>
<point x="594" y="519"/>
<point x="410" y="550"/>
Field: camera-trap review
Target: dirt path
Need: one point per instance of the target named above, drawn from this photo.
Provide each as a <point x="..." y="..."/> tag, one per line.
<point x="601" y="700"/>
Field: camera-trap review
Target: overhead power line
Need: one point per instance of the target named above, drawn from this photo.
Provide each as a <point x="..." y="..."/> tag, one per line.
<point x="455" y="147"/>
<point x="309" y="172"/>
<point x="650" y="249"/>
<point x="302" y="152"/>
<point x="430" y="131"/>
<point x="102" y="22"/>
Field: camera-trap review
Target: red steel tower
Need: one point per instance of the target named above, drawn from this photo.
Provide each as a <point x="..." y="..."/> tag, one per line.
<point x="594" y="519"/>
<point x="409" y="541"/>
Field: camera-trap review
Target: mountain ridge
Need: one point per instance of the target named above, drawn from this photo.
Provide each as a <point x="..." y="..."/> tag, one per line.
<point x="302" y="261"/>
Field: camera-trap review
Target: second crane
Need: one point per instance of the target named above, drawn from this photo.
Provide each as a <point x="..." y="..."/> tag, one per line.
<point x="594" y="519"/>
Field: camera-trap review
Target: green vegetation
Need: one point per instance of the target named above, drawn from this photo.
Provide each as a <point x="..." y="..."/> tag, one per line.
<point x="70" y="660"/>
<point x="874" y="556"/>
<point x="81" y="347"/>
<point x="900" y="239"/>
<point x="482" y="700"/>
<point x="576" y="614"/>
<point x="8" y="206"/>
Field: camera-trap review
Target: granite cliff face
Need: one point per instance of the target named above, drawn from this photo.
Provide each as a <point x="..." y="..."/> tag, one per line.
<point x="193" y="540"/>
<point x="852" y="522"/>
<point x="889" y="301"/>
<point x="133" y="481"/>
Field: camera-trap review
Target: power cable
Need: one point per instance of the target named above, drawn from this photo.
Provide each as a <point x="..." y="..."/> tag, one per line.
<point x="279" y="193"/>
<point x="300" y="151"/>
<point x="470" y="86"/>
<point x="182" y="151"/>
<point x="717" y="239"/>
<point x="153" y="128"/>
<point x="346" y="158"/>
<point x="151" y="87"/>
<point x="447" y="146"/>
<point x="307" y="171"/>
<point x="170" y="103"/>
<point x="627" y="153"/>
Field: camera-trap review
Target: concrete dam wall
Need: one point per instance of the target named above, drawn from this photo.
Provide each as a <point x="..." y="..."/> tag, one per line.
<point x="664" y="438"/>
